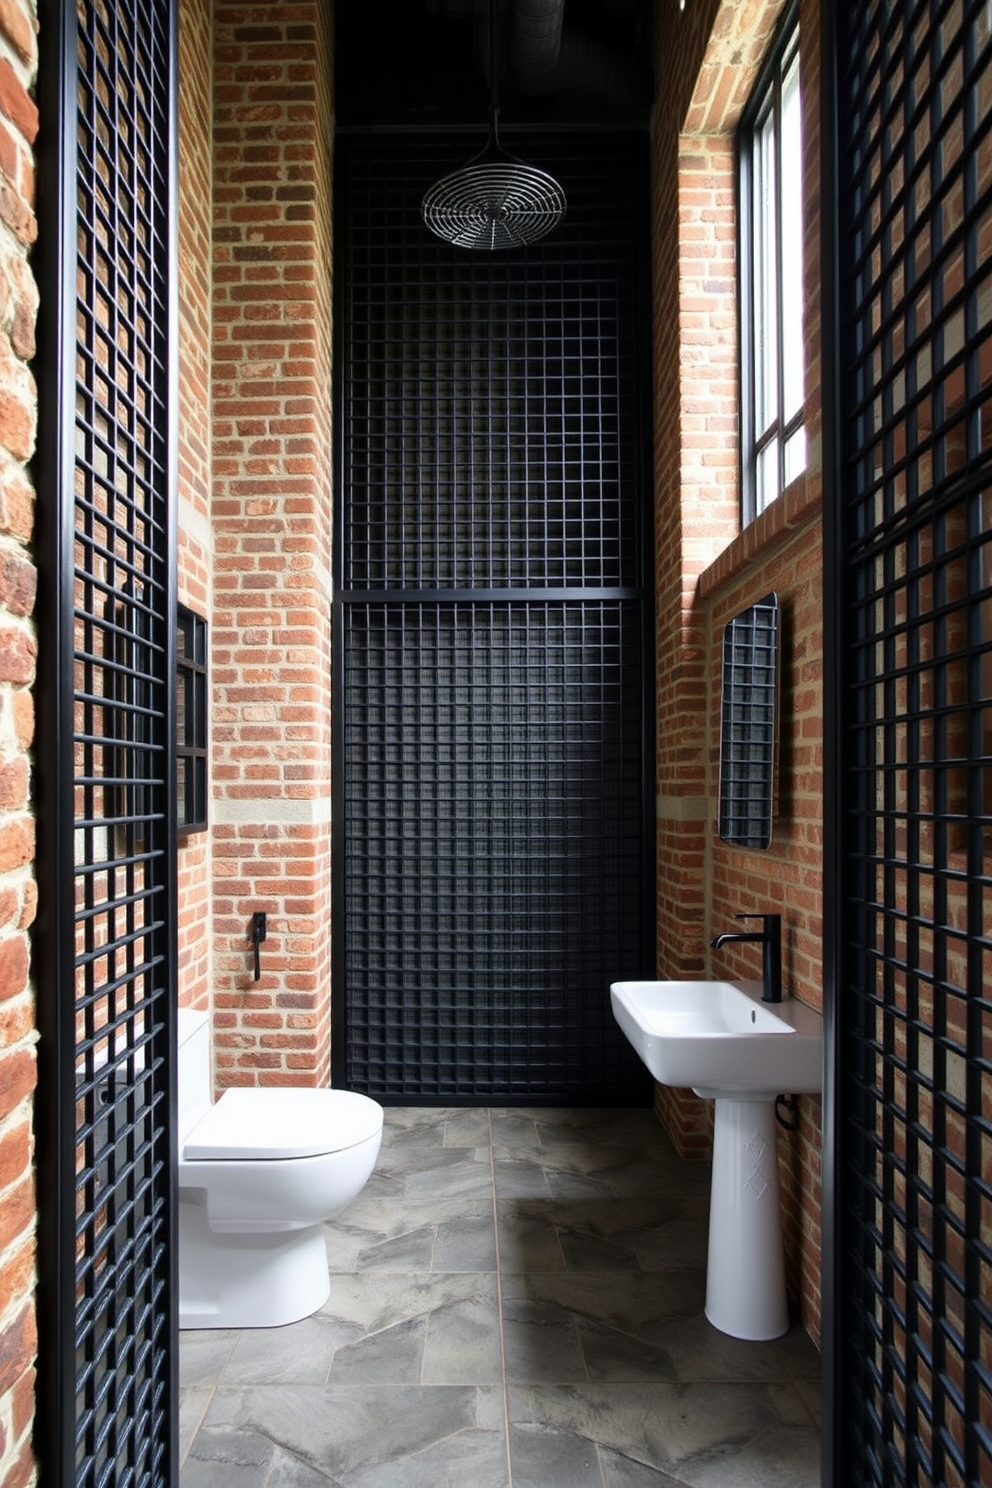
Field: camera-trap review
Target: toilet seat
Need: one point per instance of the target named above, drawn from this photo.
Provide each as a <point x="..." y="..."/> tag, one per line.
<point x="272" y="1122"/>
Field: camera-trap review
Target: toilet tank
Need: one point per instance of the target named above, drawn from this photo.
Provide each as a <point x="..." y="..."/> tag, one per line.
<point x="195" y="1086"/>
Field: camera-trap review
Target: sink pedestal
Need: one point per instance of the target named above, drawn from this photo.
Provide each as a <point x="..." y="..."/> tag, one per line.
<point x="745" y="1278"/>
<point x="723" y="1041"/>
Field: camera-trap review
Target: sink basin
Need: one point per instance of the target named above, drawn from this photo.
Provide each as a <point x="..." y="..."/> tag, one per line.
<point x="723" y="1042"/>
<point x="720" y="1039"/>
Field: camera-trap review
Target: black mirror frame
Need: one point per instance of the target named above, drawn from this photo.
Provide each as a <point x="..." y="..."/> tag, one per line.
<point x="749" y="725"/>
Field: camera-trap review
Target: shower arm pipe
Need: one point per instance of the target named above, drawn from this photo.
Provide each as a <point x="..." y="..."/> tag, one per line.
<point x="536" y="44"/>
<point x="493" y="69"/>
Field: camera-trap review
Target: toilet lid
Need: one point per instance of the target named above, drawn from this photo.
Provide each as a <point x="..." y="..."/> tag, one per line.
<point x="275" y="1121"/>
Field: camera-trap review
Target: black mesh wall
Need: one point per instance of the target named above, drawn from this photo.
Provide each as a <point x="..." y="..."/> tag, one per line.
<point x="105" y="954"/>
<point x="493" y="865"/>
<point x="914" y="1017"/>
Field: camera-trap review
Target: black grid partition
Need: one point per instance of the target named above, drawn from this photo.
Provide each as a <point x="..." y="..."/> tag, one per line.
<point x="105" y="957"/>
<point x="493" y="868"/>
<point x="914" y="1020"/>
<point x="748" y="724"/>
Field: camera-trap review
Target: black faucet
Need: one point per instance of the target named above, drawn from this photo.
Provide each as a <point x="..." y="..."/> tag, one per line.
<point x="770" y="940"/>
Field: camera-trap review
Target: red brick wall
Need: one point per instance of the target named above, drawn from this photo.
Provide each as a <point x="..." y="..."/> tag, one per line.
<point x="271" y="524"/>
<point x="195" y="555"/>
<point x="707" y="571"/>
<point x="18" y="413"/>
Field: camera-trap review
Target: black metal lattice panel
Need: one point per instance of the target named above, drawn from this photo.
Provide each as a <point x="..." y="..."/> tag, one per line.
<point x="915" y="185"/>
<point x="491" y="405"/>
<point x="491" y="622"/>
<point x="748" y="713"/>
<point x="118" y="645"/>
<point x="493" y="875"/>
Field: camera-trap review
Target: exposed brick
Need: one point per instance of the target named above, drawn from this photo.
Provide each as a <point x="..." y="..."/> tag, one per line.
<point x="20" y="1472"/>
<point x="22" y="712"/>
<point x="18" y="25"/>
<point x="17" y="837"/>
<point x="23" y="308"/>
<point x="17" y="422"/>
<point x="17" y="1080"/>
<point x="270" y="638"/>
<point x="17" y="103"/>
<point x="17" y="1338"/>
<point x="706" y="571"/>
<point x="15" y="1155"/>
<point x="14" y="962"/>
<point x="17" y="1212"/>
<point x="18" y="583"/>
<point x="14" y="778"/>
<point x="16" y="501"/>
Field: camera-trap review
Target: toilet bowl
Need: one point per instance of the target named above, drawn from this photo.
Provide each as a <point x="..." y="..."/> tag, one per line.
<point x="260" y="1172"/>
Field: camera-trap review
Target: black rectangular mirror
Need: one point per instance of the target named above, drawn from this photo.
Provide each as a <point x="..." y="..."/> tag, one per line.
<point x="748" y="725"/>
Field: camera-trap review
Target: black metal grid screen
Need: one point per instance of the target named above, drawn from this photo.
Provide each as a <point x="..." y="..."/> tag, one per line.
<point x="117" y="1248"/>
<point x="492" y="761"/>
<point x="915" y="187"/>
<point x="748" y="714"/>
<point x="495" y="842"/>
<point x="491" y="414"/>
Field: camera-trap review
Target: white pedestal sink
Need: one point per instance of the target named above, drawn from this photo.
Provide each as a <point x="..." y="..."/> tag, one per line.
<point x="723" y="1042"/>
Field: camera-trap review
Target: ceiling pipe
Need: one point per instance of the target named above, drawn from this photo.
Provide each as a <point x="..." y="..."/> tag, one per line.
<point x="548" y="57"/>
<point x="587" y="67"/>
<point x="536" y="44"/>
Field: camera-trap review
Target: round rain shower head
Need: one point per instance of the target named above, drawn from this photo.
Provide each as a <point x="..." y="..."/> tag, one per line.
<point x="494" y="202"/>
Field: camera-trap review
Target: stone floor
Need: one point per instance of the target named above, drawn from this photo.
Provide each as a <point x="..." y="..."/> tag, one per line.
<point x="516" y="1302"/>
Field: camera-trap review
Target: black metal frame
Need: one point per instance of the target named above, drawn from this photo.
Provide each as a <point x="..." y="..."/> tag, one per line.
<point x="769" y="82"/>
<point x="749" y="688"/>
<point x="442" y="569"/>
<point x="907" y="1277"/>
<point x="832" y="1197"/>
<point x="107" y="1401"/>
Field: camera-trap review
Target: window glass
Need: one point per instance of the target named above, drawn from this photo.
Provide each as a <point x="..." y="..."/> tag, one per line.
<point x="792" y="243"/>
<point x="766" y="277"/>
<point x="771" y="218"/>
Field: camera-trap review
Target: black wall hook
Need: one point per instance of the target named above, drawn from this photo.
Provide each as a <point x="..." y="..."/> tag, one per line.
<point x="259" y="931"/>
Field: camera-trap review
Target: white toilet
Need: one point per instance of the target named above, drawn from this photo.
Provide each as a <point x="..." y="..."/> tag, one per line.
<point x="259" y="1173"/>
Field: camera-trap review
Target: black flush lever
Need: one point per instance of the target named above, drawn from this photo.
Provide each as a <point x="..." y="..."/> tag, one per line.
<point x="259" y="930"/>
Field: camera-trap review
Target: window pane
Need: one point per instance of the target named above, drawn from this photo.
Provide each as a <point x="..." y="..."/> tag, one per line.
<point x="765" y="278"/>
<point x="795" y="455"/>
<point x="792" y="244"/>
<point x="774" y="385"/>
<point x="766" y="476"/>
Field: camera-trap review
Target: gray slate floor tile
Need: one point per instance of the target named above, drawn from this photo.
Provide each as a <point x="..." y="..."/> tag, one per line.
<point x="520" y="1285"/>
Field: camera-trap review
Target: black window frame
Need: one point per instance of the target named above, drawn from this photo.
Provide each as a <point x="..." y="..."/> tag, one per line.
<point x="766" y="96"/>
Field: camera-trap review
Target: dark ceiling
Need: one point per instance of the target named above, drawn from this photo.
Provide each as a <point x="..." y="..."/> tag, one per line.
<point x="425" y="62"/>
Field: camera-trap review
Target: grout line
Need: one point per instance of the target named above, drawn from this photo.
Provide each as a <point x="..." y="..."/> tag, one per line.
<point x="499" y="1306"/>
<point x="183" y="1455"/>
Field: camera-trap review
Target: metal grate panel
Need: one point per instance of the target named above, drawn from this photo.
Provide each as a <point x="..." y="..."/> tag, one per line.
<point x="493" y="869"/>
<point x="491" y="408"/>
<point x="491" y="628"/>
<point x="107" y="758"/>
<point x="748" y="726"/>
<point x="915" y="187"/>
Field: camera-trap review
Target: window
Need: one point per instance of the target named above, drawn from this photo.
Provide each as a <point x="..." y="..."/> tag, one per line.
<point x="191" y="721"/>
<point x="771" y="276"/>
